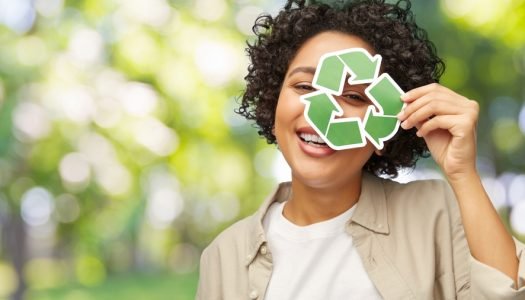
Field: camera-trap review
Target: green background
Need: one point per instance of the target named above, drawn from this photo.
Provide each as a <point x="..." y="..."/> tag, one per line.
<point x="121" y="157"/>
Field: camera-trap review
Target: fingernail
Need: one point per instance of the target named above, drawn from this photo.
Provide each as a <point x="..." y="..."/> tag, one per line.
<point x="404" y="124"/>
<point x="404" y="97"/>
<point x="418" y="133"/>
<point x="401" y="115"/>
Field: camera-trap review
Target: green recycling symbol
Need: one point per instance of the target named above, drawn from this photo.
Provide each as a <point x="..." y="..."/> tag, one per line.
<point x="380" y="122"/>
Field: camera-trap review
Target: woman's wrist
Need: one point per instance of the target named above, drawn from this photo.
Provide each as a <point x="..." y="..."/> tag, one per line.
<point x="466" y="177"/>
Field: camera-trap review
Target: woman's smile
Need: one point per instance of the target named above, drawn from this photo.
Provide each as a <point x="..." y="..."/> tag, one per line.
<point x="312" y="144"/>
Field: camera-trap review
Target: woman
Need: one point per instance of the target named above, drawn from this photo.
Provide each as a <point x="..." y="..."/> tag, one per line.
<point x="338" y="231"/>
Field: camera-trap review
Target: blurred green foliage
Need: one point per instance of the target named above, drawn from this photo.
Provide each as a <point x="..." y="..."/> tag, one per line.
<point x="131" y="286"/>
<point x="120" y="152"/>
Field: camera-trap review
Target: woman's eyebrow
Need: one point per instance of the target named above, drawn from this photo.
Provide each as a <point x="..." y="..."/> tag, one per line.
<point x="310" y="70"/>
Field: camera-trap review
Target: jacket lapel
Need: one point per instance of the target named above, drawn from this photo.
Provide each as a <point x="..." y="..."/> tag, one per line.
<point x="370" y="220"/>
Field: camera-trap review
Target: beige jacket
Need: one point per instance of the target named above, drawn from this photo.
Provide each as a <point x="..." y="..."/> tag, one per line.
<point x="409" y="236"/>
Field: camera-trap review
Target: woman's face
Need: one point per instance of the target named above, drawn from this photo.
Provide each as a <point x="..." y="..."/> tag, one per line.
<point x="318" y="165"/>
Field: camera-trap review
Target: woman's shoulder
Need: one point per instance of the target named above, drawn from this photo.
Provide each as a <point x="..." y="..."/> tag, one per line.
<point x="433" y="196"/>
<point x="246" y="235"/>
<point x="223" y="272"/>
<point x="234" y="237"/>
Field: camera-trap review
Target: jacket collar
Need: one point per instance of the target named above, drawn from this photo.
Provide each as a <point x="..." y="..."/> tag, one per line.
<point x="371" y="211"/>
<point x="257" y="236"/>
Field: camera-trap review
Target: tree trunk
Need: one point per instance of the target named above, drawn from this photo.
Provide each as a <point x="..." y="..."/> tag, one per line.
<point x="16" y="248"/>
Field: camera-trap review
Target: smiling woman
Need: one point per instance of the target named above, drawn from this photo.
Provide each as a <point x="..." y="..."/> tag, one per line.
<point x="408" y="56"/>
<point x="338" y="230"/>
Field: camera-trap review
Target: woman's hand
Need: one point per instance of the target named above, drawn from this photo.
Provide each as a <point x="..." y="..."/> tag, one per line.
<point x="447" y="121"/>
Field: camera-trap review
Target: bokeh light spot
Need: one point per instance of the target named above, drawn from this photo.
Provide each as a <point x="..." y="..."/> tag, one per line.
<point x="37" y="206"/>
<point x="138" y="99"/>
<point x="53" y="276"/>
<point x="475" y="12"/>
<point x="67" y="208"/>
<point x="507" y="135"/>
<point x="49" y="8"/>
<point x="18" y="15"/>
<point x="522" y="119"/>
<point x="156" y="137"/>
<point x="108" y="113"/>
<point x="31" y="51"/>
<point x="140" y="52"/>
<point x="77" y="104"/>
<point x="457" y="9"/>
<point x="517" y="217"/>
<point x="90" y="271"/>
<point x="97" y="149"/>
<point x="517" y="190"/>
<point x="210" y="10"/>
<point x="164" y="205"/>
<point x="74" y="168"/>
<point x="496" y="191"/>
<point x="114" y="178"/>
<point x="155" y="13"/>
<point x="31" y="122"/>
<point x="9" y="282"/>
<point x="264" y="161"/>
<point x="231" y="170"/>
<point x="218" y="62"/>
<point x="86" y="47"/>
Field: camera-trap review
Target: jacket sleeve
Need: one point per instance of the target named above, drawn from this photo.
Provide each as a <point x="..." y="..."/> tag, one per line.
<point x="489" y="283"/>
<point x="485" y="282"/>
<point x="209" y="278"/>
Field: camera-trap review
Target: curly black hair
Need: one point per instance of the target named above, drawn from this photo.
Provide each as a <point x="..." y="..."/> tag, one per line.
<point x="408" y="56"/>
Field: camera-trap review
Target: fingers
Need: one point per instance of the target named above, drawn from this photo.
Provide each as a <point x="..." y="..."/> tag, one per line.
<point x="434" y="99"/>
<point x="426" y="107"/>
<point x="445" y="122"/>
<point x="421" y="91"/>
<point x="426" y="103"/>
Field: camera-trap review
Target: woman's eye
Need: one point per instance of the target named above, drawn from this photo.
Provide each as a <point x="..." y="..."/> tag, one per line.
<point x="305" y="87"/>
<point x="354" y="97"/>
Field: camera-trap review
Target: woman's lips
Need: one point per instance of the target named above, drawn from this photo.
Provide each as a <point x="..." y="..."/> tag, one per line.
<point x="311" y="149"/>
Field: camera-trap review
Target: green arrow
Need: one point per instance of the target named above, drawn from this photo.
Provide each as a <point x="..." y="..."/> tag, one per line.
<point x="385" y="93"/>
<point x="380" y="122"/>
<point x="319" y="110"/>
<point x="364" y="67"/>
<point x="330" y="74"/>
<point x="379" y="128"/>
<point x="343" y="134"/>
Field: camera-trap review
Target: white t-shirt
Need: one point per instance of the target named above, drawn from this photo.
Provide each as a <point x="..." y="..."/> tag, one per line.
<point x="317" y="262"/>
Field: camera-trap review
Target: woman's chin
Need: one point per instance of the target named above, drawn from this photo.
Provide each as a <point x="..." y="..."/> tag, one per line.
<point x="319" y="178"/>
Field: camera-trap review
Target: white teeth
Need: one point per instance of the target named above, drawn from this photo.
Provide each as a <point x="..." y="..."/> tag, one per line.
<point x="311" y="138"/>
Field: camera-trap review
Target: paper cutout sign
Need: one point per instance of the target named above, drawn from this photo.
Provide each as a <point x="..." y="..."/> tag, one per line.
<point x="380" y="122"/>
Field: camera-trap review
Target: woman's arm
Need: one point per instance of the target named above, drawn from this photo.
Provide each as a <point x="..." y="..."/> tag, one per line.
<point x="488" y="240"/>
<point x="447" y="121"/>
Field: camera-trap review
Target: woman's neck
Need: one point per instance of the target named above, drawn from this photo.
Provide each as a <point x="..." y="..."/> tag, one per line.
<point x="309" y="205"/>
